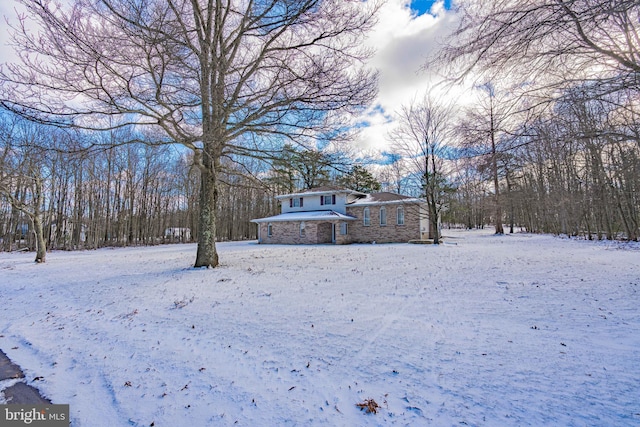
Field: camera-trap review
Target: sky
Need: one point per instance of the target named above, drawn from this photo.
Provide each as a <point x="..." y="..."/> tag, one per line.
<point x="407" y="32"/>
<point x="424" y="6"/>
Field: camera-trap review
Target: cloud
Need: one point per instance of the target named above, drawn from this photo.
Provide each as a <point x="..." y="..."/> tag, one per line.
<point x="403" y="39"/>
<point x="7" y="15"/>
<point x="406" y="34"/>
<point x="11" y="15"/>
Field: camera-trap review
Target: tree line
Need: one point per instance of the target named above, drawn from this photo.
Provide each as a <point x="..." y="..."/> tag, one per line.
<point x="225" y="80"/>
<point x="204" y="109"/>
<point x="574" y="170"/>
<point x="65" y="190"/>
<point x="117" y="195"/>
<point x="551" y="142"/>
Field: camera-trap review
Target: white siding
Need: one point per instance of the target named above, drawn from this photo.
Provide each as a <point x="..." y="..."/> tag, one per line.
<point x="424" y="222"/>
<point x="312" y="203"/>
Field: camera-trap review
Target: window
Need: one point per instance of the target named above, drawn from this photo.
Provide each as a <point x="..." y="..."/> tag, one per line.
<point x="400" y="216"/>
<point x="328" y="200"/>
<point x="344" y="228"/>
<point x="366" y="217"/>
<point x="269" y="230"/>
<point x="383" y="216"/>
<point x="296" y="202"/>
<point x="302" y="230"/>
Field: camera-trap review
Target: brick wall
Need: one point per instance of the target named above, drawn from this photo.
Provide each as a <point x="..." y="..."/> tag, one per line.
<point x="343" y="239"/>
<point x="390" y="233"/>
<point x="288" y="233"/>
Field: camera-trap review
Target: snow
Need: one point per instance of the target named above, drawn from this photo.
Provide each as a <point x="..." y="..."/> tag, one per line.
<point x="306" y="216"/>
<point x="514" y="330"/>
<point x="385" y="198"/>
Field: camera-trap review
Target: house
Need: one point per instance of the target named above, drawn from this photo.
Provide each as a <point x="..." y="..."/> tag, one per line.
<point x="182" y="234"/>
<point x="342" y="216"/>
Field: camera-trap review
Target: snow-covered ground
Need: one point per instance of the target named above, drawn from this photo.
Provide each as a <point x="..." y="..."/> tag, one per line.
<point x="517" y="330"/>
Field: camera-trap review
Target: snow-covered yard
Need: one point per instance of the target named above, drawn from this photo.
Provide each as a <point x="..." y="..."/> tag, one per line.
<point x="515" y="330"/>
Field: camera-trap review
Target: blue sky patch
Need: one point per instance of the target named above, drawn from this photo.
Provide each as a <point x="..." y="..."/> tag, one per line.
<point x="423" y="6"/>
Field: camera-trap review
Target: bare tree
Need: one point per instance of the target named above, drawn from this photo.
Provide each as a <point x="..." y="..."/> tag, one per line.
<point x="124" y="195"/>
<point x="549" y="43"/>
<point x="486" y="131"/>
<point x="22" y="175"/>
<point x="572" y="169"/>
<point x="421" y="137"/>
<point x="392" y="175"/>
<point x="217" y="76"/>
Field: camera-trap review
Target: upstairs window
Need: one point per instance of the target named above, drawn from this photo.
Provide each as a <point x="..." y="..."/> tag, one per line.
<point x="296" y="202"/>
<point x="328" y="200"/>
<point x="383" y="216"/>
<point x="366" y="217"/>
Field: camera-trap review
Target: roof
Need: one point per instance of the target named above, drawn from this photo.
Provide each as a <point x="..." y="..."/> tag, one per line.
<point x="306" y="216"/>
<point x="324" y="189"/>
<point x="385" y="197"/>
<point x="317" y="191"/>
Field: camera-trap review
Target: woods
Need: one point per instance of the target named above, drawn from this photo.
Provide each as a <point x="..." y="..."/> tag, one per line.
<point x="226" y="80"/>
<point x="119" y="196"/>
<point x="138" y="123"/>
<point x="569" y="159"/>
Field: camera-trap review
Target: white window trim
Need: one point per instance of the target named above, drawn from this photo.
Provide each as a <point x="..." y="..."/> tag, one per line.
<point x="366" y="217"/>
<point x="398" y="210"/>
<point x="344" y="228"/>
<point x="383" y="211"/>
<point x="269" y="230"/>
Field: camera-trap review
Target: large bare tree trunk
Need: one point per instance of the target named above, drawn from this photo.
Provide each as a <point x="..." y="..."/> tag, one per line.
<point x="496" y="184"/>
<point x="434" y="228"/>
<point x="41" y="246"/>
<point x="494" y="164"/>
<point x="207" y="255"/>
<point x="36" y="215"/>
<point x="229" y="80"/>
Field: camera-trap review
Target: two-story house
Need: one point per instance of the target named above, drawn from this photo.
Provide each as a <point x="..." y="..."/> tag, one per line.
<point x="341" y="216"/>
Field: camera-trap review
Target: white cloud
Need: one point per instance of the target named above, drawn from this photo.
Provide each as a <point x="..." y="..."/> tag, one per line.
<point x="11" y="15"/>
<point x="403" y="40"/>
<point x="7" y="16"/>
